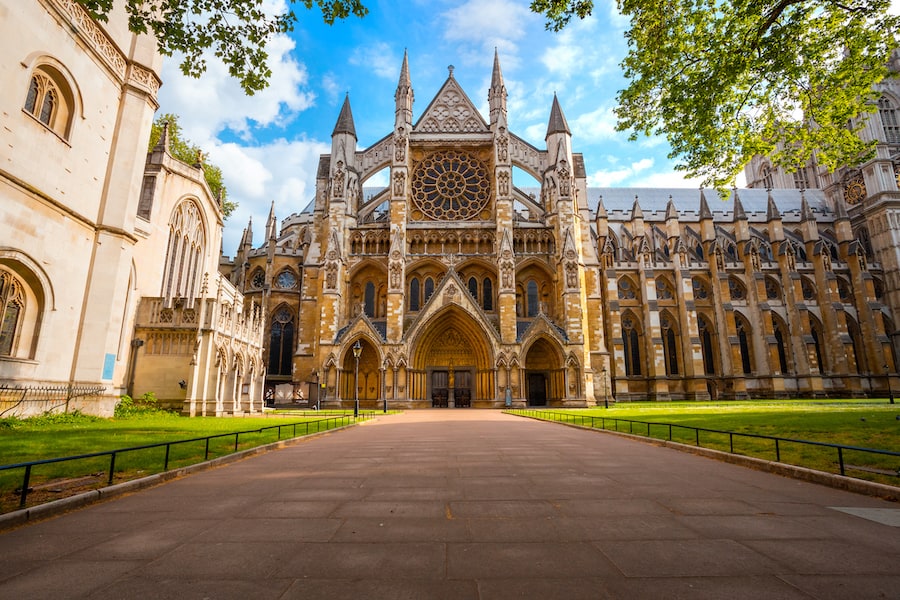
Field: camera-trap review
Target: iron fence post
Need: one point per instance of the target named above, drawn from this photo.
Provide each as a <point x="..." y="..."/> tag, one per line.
<point x="112" y="466"/>
<point x="25" y="484"/>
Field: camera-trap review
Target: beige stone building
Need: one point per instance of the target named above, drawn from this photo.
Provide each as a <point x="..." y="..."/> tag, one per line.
<point x="109" y="278"/>
<point x="464" y="285"/>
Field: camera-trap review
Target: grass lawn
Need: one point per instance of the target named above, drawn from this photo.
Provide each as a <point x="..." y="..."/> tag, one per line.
<point x="53" y="437"/>
<point x="860" y="423"/>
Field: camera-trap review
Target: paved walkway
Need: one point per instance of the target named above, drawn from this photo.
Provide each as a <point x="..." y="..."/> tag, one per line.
<point x="465" y="504"/>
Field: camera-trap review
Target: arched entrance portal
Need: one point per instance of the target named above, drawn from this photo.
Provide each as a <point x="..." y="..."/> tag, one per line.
<point x="544" y="374"/>
<point x="369" y="382"/>
<point x="452" y="364"/>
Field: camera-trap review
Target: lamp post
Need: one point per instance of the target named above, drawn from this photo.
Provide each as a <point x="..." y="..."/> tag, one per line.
<point x="357" y="350"/>
<point x="605" y="394"/>
<point x="890" y="389"/>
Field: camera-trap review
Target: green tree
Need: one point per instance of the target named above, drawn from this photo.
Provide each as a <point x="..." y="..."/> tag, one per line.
<point x="185" y="151"/>
<point x="725" y="80"/>
<point x="236" y="31"/>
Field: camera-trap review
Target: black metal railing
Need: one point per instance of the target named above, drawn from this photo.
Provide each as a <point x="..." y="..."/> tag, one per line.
<point x="591" y="421"/>
<point x="305" y="426"/>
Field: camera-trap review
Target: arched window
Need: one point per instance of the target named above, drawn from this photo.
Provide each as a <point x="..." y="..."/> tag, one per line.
<point x="858" y="359"/>
<point x="889" y="120"/>
<point x="744" y="342"/>
<point x="802" y="179"/>
<point x="185" y="252"/>
<point x="414" y="294"/>
<point x="281" y="343"/>
<point x="473" y="287"/>
<point x="779" y="343"/>
<point x="766" y="176"/>
<point x="815" y="329"/>
<point x="626" y="289"/>
<point x="12" y="310"/>
<point x="773" y="289"/>
<point x="664" y="289"/>
<point x="706" y="345"/>
<point x="737" y="289"/>
<point x="701" y="289"/>
<point x="429" y="288"/>
<point x="487" y="295"/>
<point x="631" y="347"/>
<point x="370" y="300"/>
<point x="49" y="100"/>
<point x="809" y="292"/>
<point x="532" y="298"/>
<point x="670" y="346"/>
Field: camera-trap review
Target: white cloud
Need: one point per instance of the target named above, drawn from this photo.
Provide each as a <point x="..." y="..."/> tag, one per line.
<point x="599" y="124"/>
<point x="609" y="178"/>
<point x="580" y="50"/>
<point x="487" y="24"/>
<point x="331" y="87"/>
<point x="215" y="101"/>
<point x="666" y="179"/>
<point x="377" y="57"/>
<point x="283" y="172"/>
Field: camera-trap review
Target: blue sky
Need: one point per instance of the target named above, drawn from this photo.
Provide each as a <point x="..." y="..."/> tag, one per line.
<point x="268" y="144"/>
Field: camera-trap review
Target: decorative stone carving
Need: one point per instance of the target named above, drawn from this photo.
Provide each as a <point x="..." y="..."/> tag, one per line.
<point x="399" y="183"/>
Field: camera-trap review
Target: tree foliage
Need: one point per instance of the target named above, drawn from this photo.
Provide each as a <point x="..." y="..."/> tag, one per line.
<point x="725" y="80"/>
<point x="187" y="152"/>
<point x="235" y="31"/>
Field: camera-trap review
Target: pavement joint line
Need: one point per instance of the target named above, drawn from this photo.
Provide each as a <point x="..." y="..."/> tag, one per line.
<point x="48" y="510"/>
<point x="840" y="482"/>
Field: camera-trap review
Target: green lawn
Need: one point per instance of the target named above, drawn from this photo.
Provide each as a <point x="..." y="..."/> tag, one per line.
<point x="43" y="438"/>
<point x="860" y="423"/>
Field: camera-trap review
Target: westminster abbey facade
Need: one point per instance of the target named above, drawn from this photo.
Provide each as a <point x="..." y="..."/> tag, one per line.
<point x="459" y="286"/>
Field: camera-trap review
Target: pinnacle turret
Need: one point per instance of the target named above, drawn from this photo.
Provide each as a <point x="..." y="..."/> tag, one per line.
<point x="345" y="120"/>
<point x="497" y="94"/>
<point x="403" y="97"/>
<point x="557" y="123"/>
<point x="772" y="212"/>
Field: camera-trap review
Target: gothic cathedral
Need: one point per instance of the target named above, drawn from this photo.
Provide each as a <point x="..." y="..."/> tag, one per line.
<point x="456" y="285"/>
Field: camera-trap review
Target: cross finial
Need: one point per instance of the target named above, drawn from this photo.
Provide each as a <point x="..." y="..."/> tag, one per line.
<point x="450" y="69"/>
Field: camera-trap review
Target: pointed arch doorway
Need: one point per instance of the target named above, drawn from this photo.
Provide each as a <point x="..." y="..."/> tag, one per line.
<point x="452" y="364"/>
<point x="544" y="376"/>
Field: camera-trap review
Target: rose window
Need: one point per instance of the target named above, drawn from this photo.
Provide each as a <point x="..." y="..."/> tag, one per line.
<point x="451" y="186"/>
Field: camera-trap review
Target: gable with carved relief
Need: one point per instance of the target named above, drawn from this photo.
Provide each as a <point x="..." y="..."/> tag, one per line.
<point x="451" y="111"/>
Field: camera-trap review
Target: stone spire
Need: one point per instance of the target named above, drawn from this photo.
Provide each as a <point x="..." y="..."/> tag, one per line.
<point x="345" y="120"/>
<point x="600" y="221"/>
<point x="497" y="94"/>
<point x="671" y="211"/>
<point x="165" y="137"/>
<point x="742" y="225"/>
<point x="271" y="224"/>
<point x="403" y="97"/>
<point x="557" y="122"/>
<point x="636" y="212"/>
<point x="808" y="220"/>
<point x="247" y="239"/>
<point x="739" y="213"/>
<point x="707" y="227"/>
<point x="772" y="212"/>
<point x="840" y="210"/>
<point x="601" y="208"/>
<point x="705" y="213"/>
<point x="806" y="213"/>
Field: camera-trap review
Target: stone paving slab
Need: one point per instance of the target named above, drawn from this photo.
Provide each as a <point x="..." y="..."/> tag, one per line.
<point x="468" y="504"/>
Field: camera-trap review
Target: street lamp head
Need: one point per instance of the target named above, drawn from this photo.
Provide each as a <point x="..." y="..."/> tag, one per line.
<point x="357" y="349"/>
